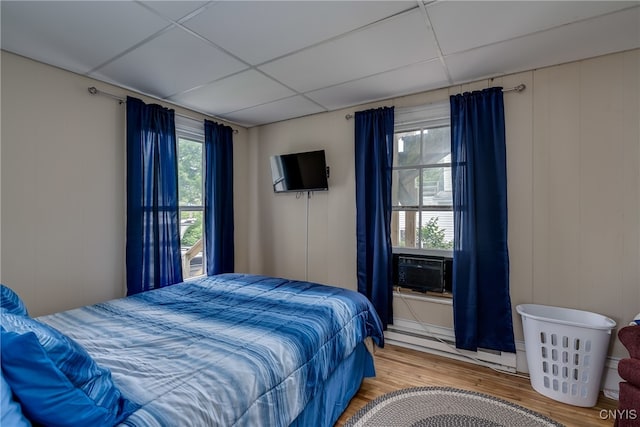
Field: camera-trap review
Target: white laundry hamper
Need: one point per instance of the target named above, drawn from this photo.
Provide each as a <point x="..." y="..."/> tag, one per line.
<point x="566" y="351"/>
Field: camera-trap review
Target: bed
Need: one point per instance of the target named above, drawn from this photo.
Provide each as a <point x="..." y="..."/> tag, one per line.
<point x="226" y="350"/>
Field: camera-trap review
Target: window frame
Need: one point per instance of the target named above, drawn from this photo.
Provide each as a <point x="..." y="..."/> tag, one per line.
<point x="418" y="119"/>
<point x="193" y="131"/>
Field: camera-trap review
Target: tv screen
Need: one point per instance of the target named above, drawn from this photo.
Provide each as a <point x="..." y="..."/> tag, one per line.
<point x="299" y="172"/>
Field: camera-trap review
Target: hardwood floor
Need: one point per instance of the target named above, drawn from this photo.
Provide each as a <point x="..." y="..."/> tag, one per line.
<point x="398" y="368"/>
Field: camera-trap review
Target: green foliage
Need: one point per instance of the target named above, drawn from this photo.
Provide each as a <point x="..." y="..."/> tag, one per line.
<point x="432" y="236"/>
<point x="193" y="233"/>
<point x="190" y="172"/>
<point x="190" y="187"/>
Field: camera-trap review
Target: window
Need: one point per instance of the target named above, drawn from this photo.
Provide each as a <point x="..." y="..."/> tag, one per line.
<point x="422" y="216"/>
<point x="190" y="135"/>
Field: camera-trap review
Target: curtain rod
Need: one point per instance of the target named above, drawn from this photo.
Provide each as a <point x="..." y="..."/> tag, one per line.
<point x="518" y="88"/>
<point x="95" y="91"/>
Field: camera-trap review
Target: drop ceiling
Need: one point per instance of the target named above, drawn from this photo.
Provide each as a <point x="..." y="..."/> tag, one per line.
<point x="257" y="62"/>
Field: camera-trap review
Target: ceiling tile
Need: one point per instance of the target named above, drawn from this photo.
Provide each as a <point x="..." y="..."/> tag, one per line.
<point x="75" y="35"/>
<point x="270" y="29"/>
<point x="563" y="44"/>
<point x="174" y="10"/>
<point x="412" y="79"/>
<point x="243" y="90"/>
<point x="398" y="41"/>
<point x="462" y="25"/>
<point x="311" y="56"/>
<point x="170" y="63"/>
<point x="295" y="106"/>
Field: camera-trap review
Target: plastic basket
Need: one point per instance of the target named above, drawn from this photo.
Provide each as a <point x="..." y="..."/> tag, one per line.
<point x="566" y="351"/>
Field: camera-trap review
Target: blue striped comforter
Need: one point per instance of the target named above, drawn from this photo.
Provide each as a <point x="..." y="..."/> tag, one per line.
<point x="223" y="350"/>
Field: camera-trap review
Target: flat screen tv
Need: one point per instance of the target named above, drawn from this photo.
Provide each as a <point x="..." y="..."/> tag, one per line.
<point x="297" y="172"/>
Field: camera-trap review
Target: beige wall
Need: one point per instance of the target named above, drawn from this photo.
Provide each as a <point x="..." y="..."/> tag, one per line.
<point x="573" y="150"/>
<point x="573" y="160"/>
<point x="63" y="187"/>
<point x="281" y="219"/>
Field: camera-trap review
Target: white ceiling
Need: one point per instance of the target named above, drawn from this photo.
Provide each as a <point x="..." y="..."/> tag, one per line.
<point x="257" y="62"/>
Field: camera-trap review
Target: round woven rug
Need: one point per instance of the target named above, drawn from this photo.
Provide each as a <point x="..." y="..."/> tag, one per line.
<point x="444" y="407"/>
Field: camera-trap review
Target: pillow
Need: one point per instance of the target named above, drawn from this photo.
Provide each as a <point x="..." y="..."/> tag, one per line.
<point x="45" y="392"/>
<point x="70" y="358"/>
<point x="11" y="302"/>
<point x="10" y="410"/>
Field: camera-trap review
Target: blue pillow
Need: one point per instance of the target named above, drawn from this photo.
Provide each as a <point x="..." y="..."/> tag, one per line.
<point x="10" y="410"/>
<point x="70" y="359"/>
<point x="46" y="394"/>
<point x="11" y="302"/>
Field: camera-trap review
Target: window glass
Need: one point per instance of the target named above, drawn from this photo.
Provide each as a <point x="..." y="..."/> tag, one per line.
<point x="436" y="145"/>
<point x="190" y="172"/>
<point x="405" y="187"/>
<point x="190" y="193"/>
<point x="422" y="201"/>
<point x="407" y="148"/>
<point x="191" y="243"/>
<point x="436" y="186"/>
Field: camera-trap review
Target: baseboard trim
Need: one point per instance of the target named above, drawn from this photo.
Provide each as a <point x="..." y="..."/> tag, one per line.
<point x="440" y="340"/>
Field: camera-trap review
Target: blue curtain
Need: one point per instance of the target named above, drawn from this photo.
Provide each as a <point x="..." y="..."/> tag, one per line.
<point x="481" y="301"/>
<point x="153" y="225"/>
<point x="218" y="198"/>
<point x="374" y="162"/>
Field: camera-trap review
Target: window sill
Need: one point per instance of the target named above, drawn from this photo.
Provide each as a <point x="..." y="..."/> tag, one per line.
<point x="199" y="276"/>
<point x="445" y="298"/>
<point x="446" y="253"/>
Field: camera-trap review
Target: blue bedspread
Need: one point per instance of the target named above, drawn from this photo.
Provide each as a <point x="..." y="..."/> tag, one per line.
<point x="223" y="350"/>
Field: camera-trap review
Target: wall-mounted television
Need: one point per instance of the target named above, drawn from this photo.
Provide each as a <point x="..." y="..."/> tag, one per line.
<point x="298" y="172"/>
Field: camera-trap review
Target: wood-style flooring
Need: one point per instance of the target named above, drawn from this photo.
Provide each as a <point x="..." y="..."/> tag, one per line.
<point x="398" y="368"/>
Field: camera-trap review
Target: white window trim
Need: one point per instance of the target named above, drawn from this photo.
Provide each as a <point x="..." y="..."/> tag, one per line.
<point x="192" y="130"/>
<point x="189" y="128"/>
<point x="429" y="115"/>
<point x="406" y="119"/>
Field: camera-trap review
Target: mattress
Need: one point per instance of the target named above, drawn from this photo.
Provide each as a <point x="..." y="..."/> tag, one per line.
<point x="223" y="350"/>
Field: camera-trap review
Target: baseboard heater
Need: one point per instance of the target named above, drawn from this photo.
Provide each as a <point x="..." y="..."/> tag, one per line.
<point x="441" y="341"/>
